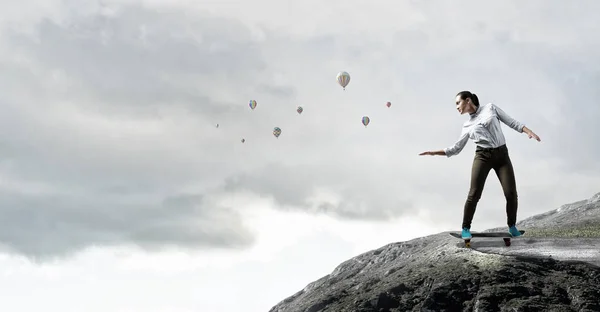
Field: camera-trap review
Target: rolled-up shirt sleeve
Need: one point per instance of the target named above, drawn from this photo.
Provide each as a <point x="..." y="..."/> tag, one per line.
<point x="459" y="145"/>
<point x="507" y="120"/>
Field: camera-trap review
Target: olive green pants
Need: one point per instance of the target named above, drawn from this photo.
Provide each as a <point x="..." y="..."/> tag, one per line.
<point x="485" y="160"/>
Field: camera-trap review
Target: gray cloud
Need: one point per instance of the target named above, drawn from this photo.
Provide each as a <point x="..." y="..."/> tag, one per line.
<point x="579" y="132"/>
<point x="278" y="91"/>
<point x="45" y="226"/>
<point x="107" y="119"/>
<point x="362" y="195"/>
<point x="97" y="157"/>
<point x="144" y="58"/>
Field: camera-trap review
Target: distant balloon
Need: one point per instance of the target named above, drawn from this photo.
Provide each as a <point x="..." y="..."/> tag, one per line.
<point x="299" y="109"/>
<point x="217" y="125"/>
<point x="243" y="140"/>
<point x="366" y="120"/>
<point x="343" y="78"/>
<point x="252" y="104"/>
<point x="277" y="132"/>
<point x="388" y="104"/>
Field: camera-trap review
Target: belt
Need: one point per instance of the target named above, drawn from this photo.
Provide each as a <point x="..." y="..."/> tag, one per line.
<point x="501" y="147"/>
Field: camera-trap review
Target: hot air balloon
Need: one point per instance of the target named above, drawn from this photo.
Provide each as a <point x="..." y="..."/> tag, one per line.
<point x="388" y="104"/>
<point x="276" y="132"/>
<point x="343" y="78"/>
<point x="299" y="109"/>
<point x="366" y="120"/>
<point x="217" y="126"/>
<point x="252" y="104"/>
<point x="243" y="140"/>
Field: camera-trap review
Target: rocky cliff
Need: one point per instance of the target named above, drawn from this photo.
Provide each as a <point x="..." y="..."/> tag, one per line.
<point x="435" y="273"/>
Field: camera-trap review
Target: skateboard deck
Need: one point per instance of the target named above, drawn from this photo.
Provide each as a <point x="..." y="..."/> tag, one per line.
<point x="505" y="236"/>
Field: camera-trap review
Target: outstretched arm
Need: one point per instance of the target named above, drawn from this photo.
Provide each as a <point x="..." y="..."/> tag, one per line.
<point x="432" y="153"/>
<point x="454" y="149"/>
<point x="509" y="121"/>
<point x="514" y="124"/>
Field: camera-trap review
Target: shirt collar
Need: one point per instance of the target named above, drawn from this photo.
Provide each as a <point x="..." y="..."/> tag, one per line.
<point x="476" y="112"/>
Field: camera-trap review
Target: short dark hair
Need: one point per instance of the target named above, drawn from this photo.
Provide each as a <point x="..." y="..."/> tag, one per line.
<point x="468" y="95"/>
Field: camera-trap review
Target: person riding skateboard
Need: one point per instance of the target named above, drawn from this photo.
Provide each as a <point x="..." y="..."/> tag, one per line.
<point x="491" y="152"/>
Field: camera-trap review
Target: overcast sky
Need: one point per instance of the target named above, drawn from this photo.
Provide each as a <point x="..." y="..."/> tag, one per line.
<point x="119" y="193"/>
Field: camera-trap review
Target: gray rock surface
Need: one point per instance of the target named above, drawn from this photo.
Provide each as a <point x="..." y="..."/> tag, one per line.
<point x="584" y="214"/>
<point x="435" y="273"/>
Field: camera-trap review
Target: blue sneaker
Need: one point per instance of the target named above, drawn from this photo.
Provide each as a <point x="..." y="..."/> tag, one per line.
<point x="513" y="231"/>
<point x="466" y="233"/>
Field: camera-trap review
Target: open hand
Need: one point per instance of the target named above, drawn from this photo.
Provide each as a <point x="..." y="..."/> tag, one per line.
<point x="427" y="153"/>
<point x="531" y="135"/>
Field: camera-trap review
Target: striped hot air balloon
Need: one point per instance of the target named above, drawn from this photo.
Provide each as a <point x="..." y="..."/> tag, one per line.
<point x="366" y="120"/>
<point x="343" y="78"/>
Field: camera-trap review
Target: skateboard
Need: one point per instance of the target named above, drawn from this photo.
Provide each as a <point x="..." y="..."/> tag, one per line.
<point x="505" y="235"/>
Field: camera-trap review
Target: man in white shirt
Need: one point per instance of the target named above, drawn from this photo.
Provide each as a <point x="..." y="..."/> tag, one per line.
<point x="491" y="153"/>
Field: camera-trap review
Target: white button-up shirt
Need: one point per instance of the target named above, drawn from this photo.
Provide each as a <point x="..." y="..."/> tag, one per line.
<point x="484" y="129"/>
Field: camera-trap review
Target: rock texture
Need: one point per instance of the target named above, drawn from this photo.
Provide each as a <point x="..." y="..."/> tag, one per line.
<point x="435" y="273"/>
<point x="566" y="220"/>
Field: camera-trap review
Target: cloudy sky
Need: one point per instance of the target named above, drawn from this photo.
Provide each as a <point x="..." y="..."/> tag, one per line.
<point x="119" y="193"/>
